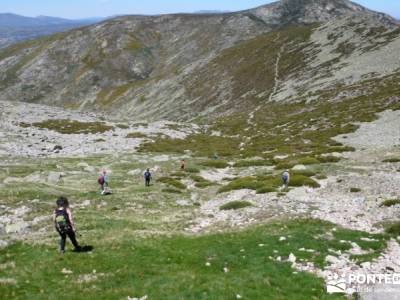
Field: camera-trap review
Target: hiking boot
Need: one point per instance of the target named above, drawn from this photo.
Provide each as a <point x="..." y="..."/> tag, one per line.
<point x="77" y="249"/>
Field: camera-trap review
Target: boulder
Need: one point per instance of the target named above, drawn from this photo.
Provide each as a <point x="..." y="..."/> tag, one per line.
<point x="182" y="202"/>
<point x="11" y="180"/>
<point x="19" y="227"/>
<point x="54" y="177"/>
<point x="90" y="169"/>
<point x="35" y="177"/>
<point x="135" y="172"/>
<point x="3" y="244"/>
<point x="82" y="165"/>
<point x="299" y="168"/>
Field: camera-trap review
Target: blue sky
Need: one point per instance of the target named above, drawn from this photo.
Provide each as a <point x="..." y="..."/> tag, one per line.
<point x="93" y="8"/>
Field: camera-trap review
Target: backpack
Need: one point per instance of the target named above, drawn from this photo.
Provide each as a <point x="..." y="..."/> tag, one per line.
<point x="62" y="221"/>
<point x="285" y="176"/>
<point x="101" y="180"/>
<point x="147" y="175"/>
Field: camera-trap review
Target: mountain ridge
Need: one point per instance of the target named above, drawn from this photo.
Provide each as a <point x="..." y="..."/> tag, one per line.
<point x="184" y="66"/>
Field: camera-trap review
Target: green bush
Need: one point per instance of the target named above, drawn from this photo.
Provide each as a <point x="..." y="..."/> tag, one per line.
<point x="307" y="173"/>
<point x="171" y="191"/>
<point x="192" y="170"/>
<point x="135" y="135"/>
<point x="392" y="160"/>
<point x="252" y="163"/>
<point x="393" y="229"/>
<point x="390" y="202"/>
<point x="219" y="164"/>
<point x="329" y="159"/>
<point x="203" y="184"/>
<point x="284" y="165"/>
<point x="235" y="205"/>
<point x="251" y="183"/>
<point x="355" y="190"/>
<point x="308" y="161"/>
<point x="73" y="127"/>
<point x="301" y="180"/>
<point x="266" y="190"/>
<point x="173" y="182"/>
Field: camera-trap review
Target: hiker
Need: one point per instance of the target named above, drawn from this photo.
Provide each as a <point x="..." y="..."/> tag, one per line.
<point x="286" y="178"/>
<point x="183" y="164"/>
<point x="147" y="177"/>
<point x="104" y="180"/>
<point x="64" y="224"/>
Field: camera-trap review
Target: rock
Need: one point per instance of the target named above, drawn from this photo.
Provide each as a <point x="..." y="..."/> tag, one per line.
<point x="11" y="180"/>
<point x="142" y="298"/>
<point x="85" y="203"/>
<point x="35" y="177"/>
<point x="135" y="172"/>
<point x="282" y="238"/>
<point x="57" y="148"/>
<point x="183" y="203"/>
<point x="54" y="177"/>
<point x="292" y="258"/>
<point x="332" y="259"/>
<point x="40" y="219"/>
<point x="366" y="265"/>
<point x="3" y="244"/>
<point x="208" y="264"/>
<point x="226" y="270"/>
<point x="19" y="227"/>
<point x="161" y="158"/>
<point x="82" y="165"/>
<point x="90" y="169"/>
<point x="66" y="271"/>
<point x="299" y="168"/>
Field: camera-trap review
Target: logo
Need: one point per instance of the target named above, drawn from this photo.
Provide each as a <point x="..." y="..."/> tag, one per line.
<point x="336" y="285"/>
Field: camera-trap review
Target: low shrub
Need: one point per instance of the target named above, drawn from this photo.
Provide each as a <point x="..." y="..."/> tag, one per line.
<point x="136" y="135"/>
<point x="308" y="161"/>
<point x="251" y="183"/>
<point x="307" y="173"/>
<point x="391" y="160"/>
<point x="219" y="164"/>
<point x="266" y="190"/>
<point x="393" y="229"/>
<point x="301" y="180"/>
<point x="173" y="182"/>
<point x="171" y="191"/>
<point x="355" y="190"/>
<point x="390" y="202"/>
<point x="192" y="170"/>
<point x="329" y="159"/>
<point x="235" y="205"/>
<point x="252" y="163"/>
<point x="203" y="184"/>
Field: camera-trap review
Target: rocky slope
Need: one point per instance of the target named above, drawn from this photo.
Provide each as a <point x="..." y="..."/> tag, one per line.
<point x="193" y="66"/>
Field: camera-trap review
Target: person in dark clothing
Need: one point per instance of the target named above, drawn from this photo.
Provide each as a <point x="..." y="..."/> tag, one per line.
<point x="183" y="165"/>
<point x="147" y="177"/>
<point x="64" y="224"/>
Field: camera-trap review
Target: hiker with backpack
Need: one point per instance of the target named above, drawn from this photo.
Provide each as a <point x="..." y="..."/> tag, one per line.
<point x="147" y="177"/>
<point x="103" y="181"/>
<point x="286" y="178"/>
<point x="64" y="224"/>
